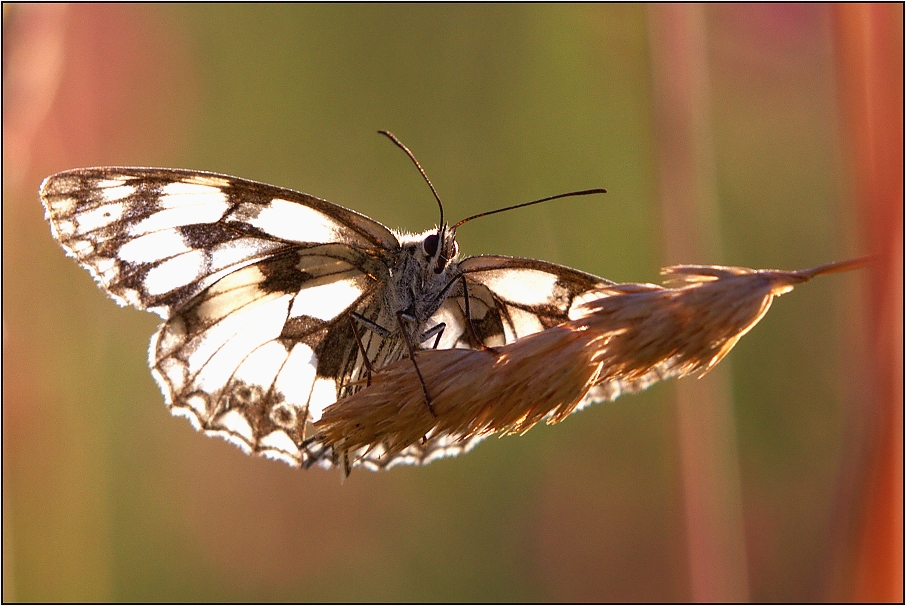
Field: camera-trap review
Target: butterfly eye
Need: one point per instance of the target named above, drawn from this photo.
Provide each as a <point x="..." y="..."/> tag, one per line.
<point x="430" y="245"/>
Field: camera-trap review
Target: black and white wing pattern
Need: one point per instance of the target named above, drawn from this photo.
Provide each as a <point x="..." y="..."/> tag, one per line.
<point x="264" y="292"/>
<point x="511" y="297"/>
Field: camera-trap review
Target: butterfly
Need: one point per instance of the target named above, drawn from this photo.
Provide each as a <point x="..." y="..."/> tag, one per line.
<point x="277" y="303"/>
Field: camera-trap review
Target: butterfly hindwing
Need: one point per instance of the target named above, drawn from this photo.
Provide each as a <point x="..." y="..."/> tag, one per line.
<point x="246" y="358"/>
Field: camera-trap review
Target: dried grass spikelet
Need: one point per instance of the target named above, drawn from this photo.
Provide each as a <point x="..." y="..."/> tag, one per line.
<point x="629" y="335"/>
<point x="472" y="392"/>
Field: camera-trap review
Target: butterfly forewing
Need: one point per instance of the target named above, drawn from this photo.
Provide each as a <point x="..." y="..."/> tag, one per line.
<point x="512" y="297"/>
<point x="154" y="238"/>
<point x="263" y="291"/>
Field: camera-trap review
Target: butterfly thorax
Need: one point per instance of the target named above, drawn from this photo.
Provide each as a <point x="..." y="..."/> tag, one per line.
<point x="419" y="280"/>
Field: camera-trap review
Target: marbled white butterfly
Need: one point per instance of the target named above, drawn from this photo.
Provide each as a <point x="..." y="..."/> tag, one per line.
<point x="277" y="303"/>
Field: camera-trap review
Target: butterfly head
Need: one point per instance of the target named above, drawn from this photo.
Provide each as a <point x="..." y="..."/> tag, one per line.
<point x="440" y="247"/>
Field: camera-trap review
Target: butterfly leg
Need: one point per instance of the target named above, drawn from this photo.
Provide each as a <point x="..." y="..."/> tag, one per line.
<point x="468" y="312"/>
<point x="374" y="327"/>
<point x="353" y="316"/>
<point x="347" y="465"/>
<point x="438" y="330"/>
<point x="383" y="332"/>
<point x="400" y="315"/>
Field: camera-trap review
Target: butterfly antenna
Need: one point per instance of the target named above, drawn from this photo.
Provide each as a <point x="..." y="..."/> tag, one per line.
<point x="584" y="192"/>
<point x="399" y="144"/>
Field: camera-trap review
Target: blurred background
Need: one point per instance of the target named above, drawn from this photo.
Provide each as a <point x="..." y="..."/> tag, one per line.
<point x="754" y="135"/>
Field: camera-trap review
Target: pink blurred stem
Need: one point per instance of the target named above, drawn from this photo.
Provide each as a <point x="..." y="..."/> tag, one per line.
<point x="715" y="535"/>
